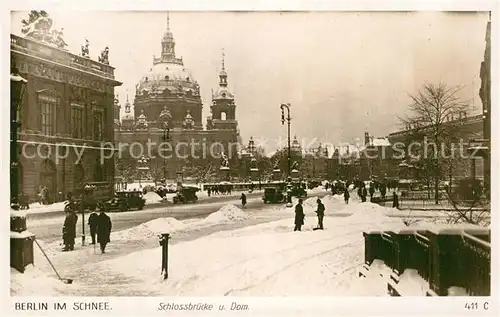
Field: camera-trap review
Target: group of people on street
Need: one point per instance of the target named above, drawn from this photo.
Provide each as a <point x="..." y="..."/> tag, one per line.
<point x="99" y="224"/>
<point x="300" y="216"/>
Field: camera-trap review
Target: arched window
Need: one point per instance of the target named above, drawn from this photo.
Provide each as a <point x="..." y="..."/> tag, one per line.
<point x="223" y="116"/>
<point x="167" y="78"/>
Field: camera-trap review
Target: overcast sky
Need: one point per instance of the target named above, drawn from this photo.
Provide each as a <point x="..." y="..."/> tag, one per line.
<point x="343" y="73"/>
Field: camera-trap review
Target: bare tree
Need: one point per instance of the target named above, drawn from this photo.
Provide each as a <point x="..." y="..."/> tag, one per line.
<point x="432" y="111"/>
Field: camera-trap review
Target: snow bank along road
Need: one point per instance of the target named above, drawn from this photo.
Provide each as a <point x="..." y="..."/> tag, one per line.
<point x="49" y="229"/>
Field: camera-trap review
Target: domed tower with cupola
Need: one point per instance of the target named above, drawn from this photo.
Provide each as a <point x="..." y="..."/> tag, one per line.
<point x="168" y="83"/>
<point x="128" y="121"/>
<point x="223" y="108"/>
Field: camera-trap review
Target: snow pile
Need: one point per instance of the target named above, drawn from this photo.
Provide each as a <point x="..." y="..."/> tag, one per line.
<point x="21" y="235"/>
<point x="152" y="197"/>
<point x="149" y="229"/>
<point x="368" y="212"/>
<point x="40" y="208"/>
<point x="374" y="283"/>
<point x="412" y="284"/>
<point x="227" y="213"/>
<point x="17" y="213"/>
<point x="34" y="282"/>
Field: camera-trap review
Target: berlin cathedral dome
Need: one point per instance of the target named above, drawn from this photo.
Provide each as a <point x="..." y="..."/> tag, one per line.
<point x="168" y="75"/>
<point x="168" y="83"/>
<point x="167" y="107"/>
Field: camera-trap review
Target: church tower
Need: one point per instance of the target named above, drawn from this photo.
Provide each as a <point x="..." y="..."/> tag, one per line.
<point x="223" y="108"/>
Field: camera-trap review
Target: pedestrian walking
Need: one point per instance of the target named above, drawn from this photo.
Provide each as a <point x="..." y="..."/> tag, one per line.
<point x="103" y="230"/>
<point x="372" y="191"/>
<point x="92" y="222"/>
<point x="346" y="196"/>
<point x="243" y="199"/>
<point x="320" y="211"/>
<point x="69" y="230"/>
<point x="299" y="216"/>
<point x="395" y="200"/>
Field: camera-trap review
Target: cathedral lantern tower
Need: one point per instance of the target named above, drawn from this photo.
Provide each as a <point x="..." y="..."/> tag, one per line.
<point x="223" y="107"/>
<point x="170" y="84"/>
<point x="128" y="120"/>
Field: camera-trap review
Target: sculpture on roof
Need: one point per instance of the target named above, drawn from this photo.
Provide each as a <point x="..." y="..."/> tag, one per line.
<point x="37" y="26"/>
<point x="85" y="49"/>
<point x="224" y="161"/>
<point x="57" y="38"/>
<point x="104" y="56"/>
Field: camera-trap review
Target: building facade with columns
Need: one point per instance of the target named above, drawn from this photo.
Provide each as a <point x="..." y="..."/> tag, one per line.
<point x="168" y="109"/>
<point x="66" y="114"/>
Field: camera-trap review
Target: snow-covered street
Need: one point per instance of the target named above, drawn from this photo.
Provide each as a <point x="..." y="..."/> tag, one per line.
<point x="230" y="252"/>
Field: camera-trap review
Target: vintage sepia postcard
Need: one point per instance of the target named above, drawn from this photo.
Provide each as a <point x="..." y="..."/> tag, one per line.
<point x="207" y="160"/>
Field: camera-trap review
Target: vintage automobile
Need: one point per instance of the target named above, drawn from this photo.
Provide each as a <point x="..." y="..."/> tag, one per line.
<point x="124" y="201"/>
<point x="299" y="191"/>
<point x="273" y="195"/>
<point x="186" y="194"/>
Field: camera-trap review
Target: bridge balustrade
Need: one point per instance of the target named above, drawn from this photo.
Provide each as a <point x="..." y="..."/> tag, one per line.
<point x="443" y="257"/>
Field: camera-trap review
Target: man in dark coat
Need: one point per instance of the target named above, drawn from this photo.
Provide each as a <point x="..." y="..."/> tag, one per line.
<point x="103" y="230"/>
<point x="243" y="199"/>
<point x="372" y="190"/>
<point x="346" y="196"/>
<point x="299" y="216"/>
<point x="93" y="225"/>
<point x="395" y="200"/>
<point x="382" y="191"/>
<point x="69" y="230"/>
<point x="321" y="213"/>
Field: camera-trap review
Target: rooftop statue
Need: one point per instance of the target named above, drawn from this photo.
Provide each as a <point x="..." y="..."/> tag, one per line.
<point x="38" y="27"/>
<point x="85" y="49"/>
<point x="57" y="38"/>
<point x="104" y="56"/>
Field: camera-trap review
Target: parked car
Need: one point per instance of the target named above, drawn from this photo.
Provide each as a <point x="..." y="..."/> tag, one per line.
<point x="273" y="195"/>
<point x="299" y="191"/>
<point x="185" y="195"/>
<point x="125" y="201"/>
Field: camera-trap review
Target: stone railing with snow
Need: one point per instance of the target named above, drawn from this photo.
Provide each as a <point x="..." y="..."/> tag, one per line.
<point x="442" y="261"/>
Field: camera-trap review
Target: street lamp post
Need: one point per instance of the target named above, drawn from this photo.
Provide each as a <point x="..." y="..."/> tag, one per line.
<point x="288" y="118"/>
<point x="21" y="243"/>
<point x="17" y="88"/>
